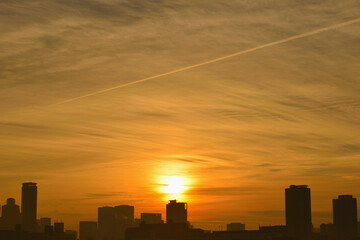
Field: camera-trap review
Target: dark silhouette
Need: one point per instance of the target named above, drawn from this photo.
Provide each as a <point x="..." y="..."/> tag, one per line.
<point x="235" y="227"/>
<point x="43" y="223"/>
<point x="10" y="215"/>
<point x="166" y="231"/>
<point x="71" y="233"/>
<point x="29" y="206"/>
<point x="49" y="229"/>
<point x="124" y="213"/>
<point x="327" y="229"/>
<point x="277" y="228"/>
<point x="345" y="217"/>
<point x="151" y="218"/>
<point x="298" y="211"/>
<point x="106" y="221"/>
<point x="124" y="218"/>
<point x="113" y="221"/>
<point x="262" y="234"/>
<point x="59" y="227"/>
<point x="87" y="230"/>
<point x="119" y="223"/>
<point x="176" y="212"/>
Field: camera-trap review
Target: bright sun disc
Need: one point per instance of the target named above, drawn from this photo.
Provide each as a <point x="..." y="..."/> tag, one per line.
<point x="174" y="185"/>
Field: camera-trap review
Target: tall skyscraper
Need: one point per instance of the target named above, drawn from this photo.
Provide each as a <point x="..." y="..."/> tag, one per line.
<point x="176" y="212"/>
<point x="10" y="214"/>
<point x="151" y="218"/>
<point x="29" y="206"/>
<point x="87" y="230"/>
<point x="298" y="211"/>
<point x="106" y="223"/>
<point x="124" y="215"/>
<point x="345" y="217"/>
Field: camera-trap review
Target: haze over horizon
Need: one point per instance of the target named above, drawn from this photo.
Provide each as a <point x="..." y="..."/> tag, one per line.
<point x="236" y="132"/>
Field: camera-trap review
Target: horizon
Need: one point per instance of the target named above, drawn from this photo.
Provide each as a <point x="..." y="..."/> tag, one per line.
<point x="210" y="225"/>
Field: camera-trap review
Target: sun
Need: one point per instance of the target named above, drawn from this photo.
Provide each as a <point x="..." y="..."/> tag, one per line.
<point x="174" y="185"/>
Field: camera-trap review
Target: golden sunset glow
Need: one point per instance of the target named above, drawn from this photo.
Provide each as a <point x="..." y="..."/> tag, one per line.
<point x="220" y="104"/>
<point x="174" y="185"/>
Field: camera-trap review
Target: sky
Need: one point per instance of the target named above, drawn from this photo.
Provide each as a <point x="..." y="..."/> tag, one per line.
<point x="237" y="132"/>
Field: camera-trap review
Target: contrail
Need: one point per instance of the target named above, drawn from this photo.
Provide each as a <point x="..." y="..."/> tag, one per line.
<point x="303" y="35"/>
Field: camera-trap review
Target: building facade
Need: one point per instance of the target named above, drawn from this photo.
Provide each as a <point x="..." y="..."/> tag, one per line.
<point x="10" y="215"/>
<point x="87" y="230"/>
<point x="29" y="206"/>
<point x="345" y="217"/>
<point x="235" y="227"/>
<point x="176" y="212"/>
<point x="298" y="211"/>
<point x="151" y="218"/>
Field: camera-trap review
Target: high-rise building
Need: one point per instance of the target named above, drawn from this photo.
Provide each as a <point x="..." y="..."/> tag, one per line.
<point x="298" y="211"/>
<point x="235" y="227"/>
<point x="29" y="206"/>
<point x="151" y="218"/>
<point x="345" y="217"/>
<point x="176" y="212"/>
<point x="106" y="223"/>
<point x="10" y="214"/>
<point x="87" y="230"/>
<point x="124" y="213"/>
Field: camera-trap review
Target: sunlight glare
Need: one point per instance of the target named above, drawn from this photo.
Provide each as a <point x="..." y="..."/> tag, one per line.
<point x="174" y="185"/>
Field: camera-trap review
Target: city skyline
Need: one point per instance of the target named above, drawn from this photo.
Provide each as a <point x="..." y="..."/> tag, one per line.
<point x="297" y="209"/>
<point x="119" y="222"/>
<point x="219" y="104"/>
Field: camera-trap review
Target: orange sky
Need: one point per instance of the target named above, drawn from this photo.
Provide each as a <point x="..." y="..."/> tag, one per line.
<point x="238" y="131"/>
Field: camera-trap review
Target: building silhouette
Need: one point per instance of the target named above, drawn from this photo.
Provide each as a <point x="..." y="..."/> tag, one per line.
<point x="10" y="215"/>
<point x="345" y="217"/>
<point x="29" y="206"/>
<point x="251" y="235"/>
<point x="166" y="231"/>
<point x="87" y="230"/>
<point x="327" y="229"/>
<point x="71" y="233"/>
<point x="298" y="211"/>
<point x="113" y="221"/>
<point x="235" y="227"/>
<point x="118" y="223"/>
<point x="176" y="212"/>
<point x="124" y="218"/>
<point x="44" y="221"/>
<point x="106" y="223"/>
<point x="49" y="229"/>
<point x="151" y="218"/>
<point x="124" y="213"/>
<point x="59" y="227"/>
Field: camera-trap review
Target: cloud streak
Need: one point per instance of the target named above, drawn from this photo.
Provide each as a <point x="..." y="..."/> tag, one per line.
<point x="285" y="40"/>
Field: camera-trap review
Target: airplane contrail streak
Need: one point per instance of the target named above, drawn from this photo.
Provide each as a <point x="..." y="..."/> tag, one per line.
<point x="303" y="35"/>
